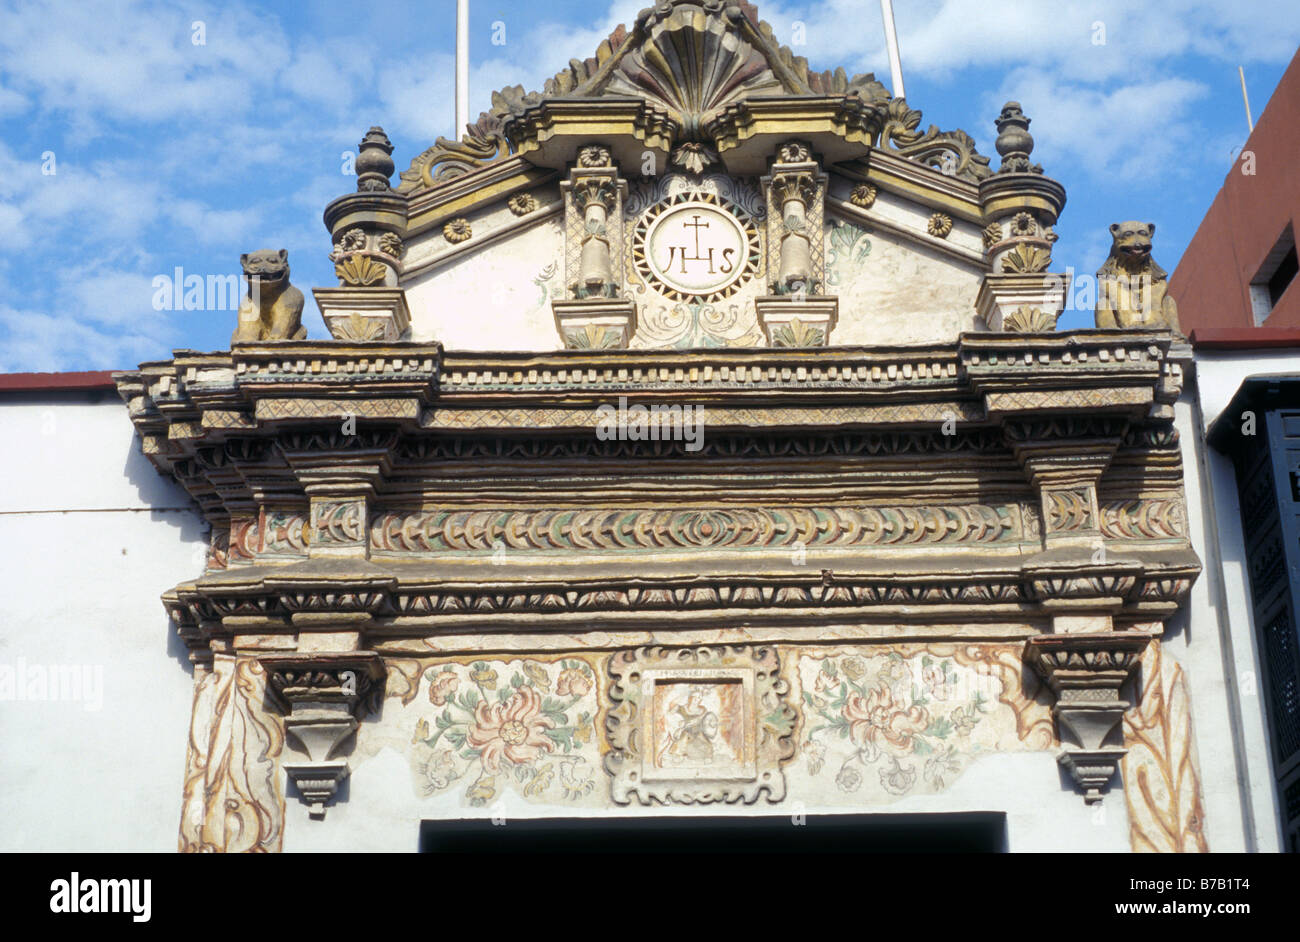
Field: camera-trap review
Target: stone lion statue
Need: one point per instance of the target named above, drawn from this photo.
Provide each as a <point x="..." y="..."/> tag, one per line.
<point x="1131" y="287"/>
<point x="272" y="308"/>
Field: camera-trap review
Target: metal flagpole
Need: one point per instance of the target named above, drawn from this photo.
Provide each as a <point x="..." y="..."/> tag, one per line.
<point x="1250" y="122"/>
<point x="462" y="67"/>
<point x="891" y="42"/>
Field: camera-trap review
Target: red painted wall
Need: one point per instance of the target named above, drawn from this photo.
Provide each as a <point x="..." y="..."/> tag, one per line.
<point x="1212" y="281"/>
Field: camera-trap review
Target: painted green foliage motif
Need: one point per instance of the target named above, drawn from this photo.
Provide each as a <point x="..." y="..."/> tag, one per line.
<point x="848" y="249"/>
<point x="521" y="723"/>
<point x="902" y="721"/>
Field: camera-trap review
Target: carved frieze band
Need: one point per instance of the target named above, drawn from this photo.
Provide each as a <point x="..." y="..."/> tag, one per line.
<point x="278" y="533"/>
<point x="573" y="528"/>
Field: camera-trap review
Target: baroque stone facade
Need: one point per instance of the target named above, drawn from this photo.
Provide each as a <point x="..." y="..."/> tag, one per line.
<point x="826" y="564"/>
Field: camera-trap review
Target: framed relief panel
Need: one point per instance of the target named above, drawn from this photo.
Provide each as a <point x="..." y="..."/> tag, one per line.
<point x="697" y="725"/>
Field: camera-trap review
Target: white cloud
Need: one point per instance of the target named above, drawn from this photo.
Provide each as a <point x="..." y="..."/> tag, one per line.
<point x="1136" y="131"/>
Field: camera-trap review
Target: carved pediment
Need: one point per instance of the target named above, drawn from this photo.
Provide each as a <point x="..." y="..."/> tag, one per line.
<point x="690" y="65"/>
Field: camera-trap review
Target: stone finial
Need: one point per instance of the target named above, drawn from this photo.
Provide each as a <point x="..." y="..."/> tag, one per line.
<point x="374" y="161"/>
<point x="1014" y="142"/>
<point x="1132" y="290"/>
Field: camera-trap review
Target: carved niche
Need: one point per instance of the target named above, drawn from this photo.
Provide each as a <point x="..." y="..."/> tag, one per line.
<point x="595" y="314"/>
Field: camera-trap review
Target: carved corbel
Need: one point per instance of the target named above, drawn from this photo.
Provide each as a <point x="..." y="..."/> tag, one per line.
<point x="1063" y="458"/>
<point x="796" y="313"/>
<point x="323" y="697"/>
<point x="338" y="470"/>
<point x="1086" y="672"/>
<point x="596" y="315"/>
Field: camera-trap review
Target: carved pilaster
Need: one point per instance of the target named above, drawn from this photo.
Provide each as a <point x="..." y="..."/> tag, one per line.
<point x="595" y="315"/>
<point x="796" y="195"/>
<point x="796" y="313"/>
<point x="1086" y="672"/>
<point x="324" y="696"/>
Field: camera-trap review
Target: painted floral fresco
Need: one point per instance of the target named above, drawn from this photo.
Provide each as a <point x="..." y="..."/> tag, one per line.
<point x="882" y="724"/>
<point x="526" y="725"/>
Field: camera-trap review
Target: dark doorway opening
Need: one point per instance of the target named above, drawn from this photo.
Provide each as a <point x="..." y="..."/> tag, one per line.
<point x="977" y="832"/>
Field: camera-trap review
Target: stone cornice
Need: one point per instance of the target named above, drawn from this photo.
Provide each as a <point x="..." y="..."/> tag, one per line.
<point x="917" y="182"/>
<point x="370" y="483"/>
<point x="981" y="377"/>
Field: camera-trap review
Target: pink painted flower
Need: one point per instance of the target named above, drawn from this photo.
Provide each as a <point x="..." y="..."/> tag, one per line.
<point x="514" y="730"/>
<point x="573" y="682"/>
<point x="936" y="682"/>
<point x="442" y="687"/>
<point x="875" y="719"/>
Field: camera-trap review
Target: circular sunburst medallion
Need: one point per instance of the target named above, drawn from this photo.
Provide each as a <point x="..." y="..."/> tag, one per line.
<point x="696" y="245"/>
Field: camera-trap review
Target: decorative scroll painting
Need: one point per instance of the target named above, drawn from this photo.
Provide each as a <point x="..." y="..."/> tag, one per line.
<point x="233" y="800"/>
<point x="1162" y="782"/>
<point x="883" y="723"/>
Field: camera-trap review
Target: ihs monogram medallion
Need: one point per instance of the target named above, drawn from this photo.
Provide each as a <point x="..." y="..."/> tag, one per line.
<point x="696" y="245"/>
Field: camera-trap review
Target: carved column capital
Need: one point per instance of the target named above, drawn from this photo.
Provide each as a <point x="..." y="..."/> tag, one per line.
<point x="793" y="185"/>
<point x="1086" y="672"/>
<point x="324" y="695"/>
<point x="592" y="189"/>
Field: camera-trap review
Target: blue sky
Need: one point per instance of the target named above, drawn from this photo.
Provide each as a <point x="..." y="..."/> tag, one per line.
<point x="169" y="153"/>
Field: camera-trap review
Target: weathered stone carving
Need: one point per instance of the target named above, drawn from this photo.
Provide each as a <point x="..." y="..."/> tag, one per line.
<point x="374" y="164"/>
<point x="1014" y="142"/>
<point x="521" y="204"/>
<point x="863" y="195"/>
<point x="324" y="695"/>
<point x="1086" y="671"/>
<point x="698" y="725"/>
<point x="939" y="225"/>
<point x="458" y="230"/>
<point x="272" y="308"/>
<point x="1131" y="287"/>
<point x="596" y="315"/>
<point x="950" y="152"/>
<point x="1026" y="259"/>
<point x="594" y="198"/>
<point x="359" y="271"/>
<point x="656" y="63"/>
<point x="693" y="157"/>
<point x="796" y="313"/>
<point x="609" y="529"/>
<point x="1028" y="320"/>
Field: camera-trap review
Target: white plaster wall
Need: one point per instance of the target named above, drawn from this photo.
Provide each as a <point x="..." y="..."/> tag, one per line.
<point x="904" y="293"/>
<point x="91" y="536"/>
<point x="1214" y="638"/>
<point x="497" y="297"/>
<point x="381" y="811"/>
